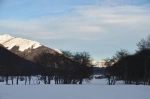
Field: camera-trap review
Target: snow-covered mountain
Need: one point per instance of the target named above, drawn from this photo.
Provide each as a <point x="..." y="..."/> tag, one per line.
<point x="99" y="63"/>
<point x="24" y="47"/>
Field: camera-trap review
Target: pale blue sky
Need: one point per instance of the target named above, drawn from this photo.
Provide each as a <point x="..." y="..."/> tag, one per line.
<point x="100" y="27"/>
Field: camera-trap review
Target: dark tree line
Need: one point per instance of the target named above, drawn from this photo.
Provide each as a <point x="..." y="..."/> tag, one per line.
<point x="132" y="68"/>
<point x="66" y="68"/>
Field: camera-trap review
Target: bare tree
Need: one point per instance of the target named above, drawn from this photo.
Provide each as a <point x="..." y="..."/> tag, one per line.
<point x="83" y="65"/>
<point x="48" y="62"/>
<point x="144" y="43"/>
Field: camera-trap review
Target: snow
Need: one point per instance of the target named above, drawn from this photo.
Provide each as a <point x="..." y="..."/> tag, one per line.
<point x="23" y="44"/>
<point x="96" y="89"/>
<point x="99" y="63"/>
<point x="57" y="50"/>
<point x="5" y="38"/>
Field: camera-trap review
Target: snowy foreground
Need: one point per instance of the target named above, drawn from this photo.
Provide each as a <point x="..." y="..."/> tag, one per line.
<point x="96" y="89"/>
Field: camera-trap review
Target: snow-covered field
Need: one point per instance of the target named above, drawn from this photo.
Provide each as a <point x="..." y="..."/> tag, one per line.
<point x="96" y="89"/>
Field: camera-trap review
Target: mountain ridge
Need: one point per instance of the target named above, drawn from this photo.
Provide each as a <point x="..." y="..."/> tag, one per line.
<point x="24" y="47"/>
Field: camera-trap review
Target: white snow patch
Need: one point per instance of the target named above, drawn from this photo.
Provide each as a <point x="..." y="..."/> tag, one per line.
<point x="99" y="63"/>
<point x="23" y="44"/>
<point x="57" y="50"/>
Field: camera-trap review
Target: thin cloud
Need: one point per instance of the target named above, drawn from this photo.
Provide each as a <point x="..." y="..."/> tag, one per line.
<point x="84" y="22"/>
<point x="121" y="2"/>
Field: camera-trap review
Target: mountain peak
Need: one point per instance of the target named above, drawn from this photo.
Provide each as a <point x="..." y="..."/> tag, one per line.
<point x="6" y="35"/>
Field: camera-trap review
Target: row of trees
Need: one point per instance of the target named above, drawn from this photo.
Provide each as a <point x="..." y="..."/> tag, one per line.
<point x="132" y="68"/>
<point x="66" y="68"/>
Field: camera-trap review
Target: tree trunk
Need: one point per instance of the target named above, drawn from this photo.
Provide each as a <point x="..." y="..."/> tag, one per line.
<point x="6" y="79"/>
<point x="17" y="80"/>
<point x="25" y="80"/>
<point x="80" y="81"/>
<point x="12" y="80"/>
<point x="145" y="73"/>
<point x="74" y="81"/>
<point x="56" y="80"/>
<point x="49" y="79"/>
<point x="45" y="79"/>
<point x="29" y="79"/>
<point x="126" y="74"/>
<point x="137" y="80"/>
